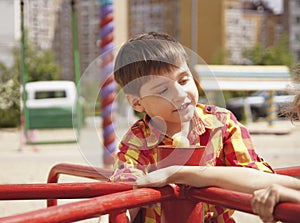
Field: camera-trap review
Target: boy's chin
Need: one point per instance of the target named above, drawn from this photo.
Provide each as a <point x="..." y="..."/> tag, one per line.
<point x="186" y="117"/>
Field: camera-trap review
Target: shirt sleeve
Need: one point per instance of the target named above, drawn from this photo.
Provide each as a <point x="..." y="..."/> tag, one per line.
<point x="238" y="149"/>
<point x="134" y="158"/>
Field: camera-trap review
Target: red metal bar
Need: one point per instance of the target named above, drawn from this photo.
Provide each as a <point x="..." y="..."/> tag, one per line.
<point x="79" y="171"/>
<point x="94" y="206"/>
<point x="290" y="171"/>
<point x="181" y="209"/>
<point x="60" y="191"/>
<point x="118" y="202"/>
<point x="230" y="199"/>
<point x="118" y="217"/>
<point x="286" y="212"/>
<point x="76" y="170"/>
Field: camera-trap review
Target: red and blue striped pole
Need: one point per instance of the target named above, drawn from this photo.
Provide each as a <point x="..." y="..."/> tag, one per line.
<point x="108" y="88"/>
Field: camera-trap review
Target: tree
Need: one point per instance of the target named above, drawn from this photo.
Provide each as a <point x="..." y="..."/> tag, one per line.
<point x="40" y="66"/>
<point x="277" y="54"/>
<point x="296" y="72"/>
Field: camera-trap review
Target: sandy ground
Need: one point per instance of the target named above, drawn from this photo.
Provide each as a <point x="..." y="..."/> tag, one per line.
<point x="32" y="165"/>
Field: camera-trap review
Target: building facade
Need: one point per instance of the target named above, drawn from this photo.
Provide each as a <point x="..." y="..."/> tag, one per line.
<point x="153" y="15"/>
<point x="292" y="25"/>
<point x="10" y="31"/>
<point x="49" y="25"/>
<point x="225" y="28"/>
<point x="218" y="31"/>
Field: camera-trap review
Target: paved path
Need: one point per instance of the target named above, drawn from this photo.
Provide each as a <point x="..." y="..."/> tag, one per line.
<point x="32" y="166"/>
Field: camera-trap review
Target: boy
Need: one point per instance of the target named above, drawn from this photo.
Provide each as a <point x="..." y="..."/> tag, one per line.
<point x="267" y="189"/>
<point x="152" y="69"/>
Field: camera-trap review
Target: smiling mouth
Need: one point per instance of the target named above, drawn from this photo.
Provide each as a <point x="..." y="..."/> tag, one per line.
<point x="182" y="107"/>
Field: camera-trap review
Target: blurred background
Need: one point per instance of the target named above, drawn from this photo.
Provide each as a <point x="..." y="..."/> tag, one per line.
<point x="222" y="32"/>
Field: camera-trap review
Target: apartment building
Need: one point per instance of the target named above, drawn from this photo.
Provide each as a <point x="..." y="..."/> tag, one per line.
<point x="49" y="25"/>
<point x="40" y="19"/>
<point x="153" y="15"/>
<point x="292" y="25"/>
<point x="218" y="30"/>
<point x="10" y="31"/>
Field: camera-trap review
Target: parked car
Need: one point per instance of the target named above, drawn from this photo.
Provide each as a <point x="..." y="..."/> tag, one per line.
<point x="258" y="103"/>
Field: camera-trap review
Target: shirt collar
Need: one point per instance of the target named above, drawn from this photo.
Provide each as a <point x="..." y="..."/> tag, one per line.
<point x="200" y="122"/>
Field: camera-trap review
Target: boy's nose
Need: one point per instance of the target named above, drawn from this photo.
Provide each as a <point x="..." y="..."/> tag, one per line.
<point x="179" y="93"/>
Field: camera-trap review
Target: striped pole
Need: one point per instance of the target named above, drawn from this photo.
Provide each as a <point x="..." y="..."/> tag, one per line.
<point x="108" y="88"/>
<point x="271" y="109"/>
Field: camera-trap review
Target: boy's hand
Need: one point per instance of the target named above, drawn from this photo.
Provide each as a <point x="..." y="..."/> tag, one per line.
<point x="127" y="174"/>
<point x="264" y="201"/>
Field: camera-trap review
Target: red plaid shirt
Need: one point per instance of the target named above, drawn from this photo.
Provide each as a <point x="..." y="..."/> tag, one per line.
<point x="227" y="143"/>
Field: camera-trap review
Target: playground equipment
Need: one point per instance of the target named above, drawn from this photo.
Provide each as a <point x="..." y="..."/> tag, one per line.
<point x="51" y="104"/>
<point x="114" y="198"/>
<point x="108" y="89"/>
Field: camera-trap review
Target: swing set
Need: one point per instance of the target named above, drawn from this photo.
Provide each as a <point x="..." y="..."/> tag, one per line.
<point x="51" y="104"/>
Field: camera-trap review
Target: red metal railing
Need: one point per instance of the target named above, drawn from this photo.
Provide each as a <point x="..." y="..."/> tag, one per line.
<point x="60" y="191"/>
<point x="79" y="171"/>
<point x="120" y="201"/>
<point x="104" y="197"/>
<point x="76" y="170"/>
<point x="289" y="171"/>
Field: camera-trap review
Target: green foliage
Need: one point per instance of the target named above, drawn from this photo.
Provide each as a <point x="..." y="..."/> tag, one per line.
<point x="40" y="66"/>
<point x="9" y="104"/>
<point x="296" y="72"/>
<point x="219" y="57"/>
<point x="278" y="54"/>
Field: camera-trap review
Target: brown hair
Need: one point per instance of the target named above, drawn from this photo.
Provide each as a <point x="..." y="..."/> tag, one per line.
<point x="144" y="55"/>
<point x="293" y="111"/>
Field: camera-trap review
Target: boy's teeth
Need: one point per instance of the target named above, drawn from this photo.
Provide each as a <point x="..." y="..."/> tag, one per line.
<point x="183" y="106"/>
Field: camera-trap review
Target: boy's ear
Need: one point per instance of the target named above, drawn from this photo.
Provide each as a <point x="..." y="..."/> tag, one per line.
<point x="134" y="101"/>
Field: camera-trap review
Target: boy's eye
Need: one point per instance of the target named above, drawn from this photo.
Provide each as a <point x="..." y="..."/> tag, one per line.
<point x="183" y="81"/>
<point x="163" y="91"/>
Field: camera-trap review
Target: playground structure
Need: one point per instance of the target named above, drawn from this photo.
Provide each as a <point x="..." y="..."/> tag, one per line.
<point x="52" y="104"/>
<point x="114" y="198"/>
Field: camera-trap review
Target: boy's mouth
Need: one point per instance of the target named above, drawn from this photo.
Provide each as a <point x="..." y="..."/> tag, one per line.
<point x="182" y="107"/>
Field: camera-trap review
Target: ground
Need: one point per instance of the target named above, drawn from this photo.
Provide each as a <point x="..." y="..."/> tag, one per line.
<point x="32" y="165"/>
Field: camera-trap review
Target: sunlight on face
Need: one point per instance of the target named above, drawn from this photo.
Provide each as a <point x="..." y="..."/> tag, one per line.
<point x="171" y="96"/>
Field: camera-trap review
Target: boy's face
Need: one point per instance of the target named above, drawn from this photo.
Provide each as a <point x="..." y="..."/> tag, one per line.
<point x="170" y="96"/>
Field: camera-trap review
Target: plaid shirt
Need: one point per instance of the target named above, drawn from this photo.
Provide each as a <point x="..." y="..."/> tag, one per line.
<point x="227" y="143"/>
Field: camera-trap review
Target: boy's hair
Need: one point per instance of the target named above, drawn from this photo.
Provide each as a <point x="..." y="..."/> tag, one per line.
<point x="144" y="55"/>
<point x="293" y="110"/>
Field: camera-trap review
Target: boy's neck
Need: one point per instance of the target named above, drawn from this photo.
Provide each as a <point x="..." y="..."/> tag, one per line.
<point x="171" y="129"/>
